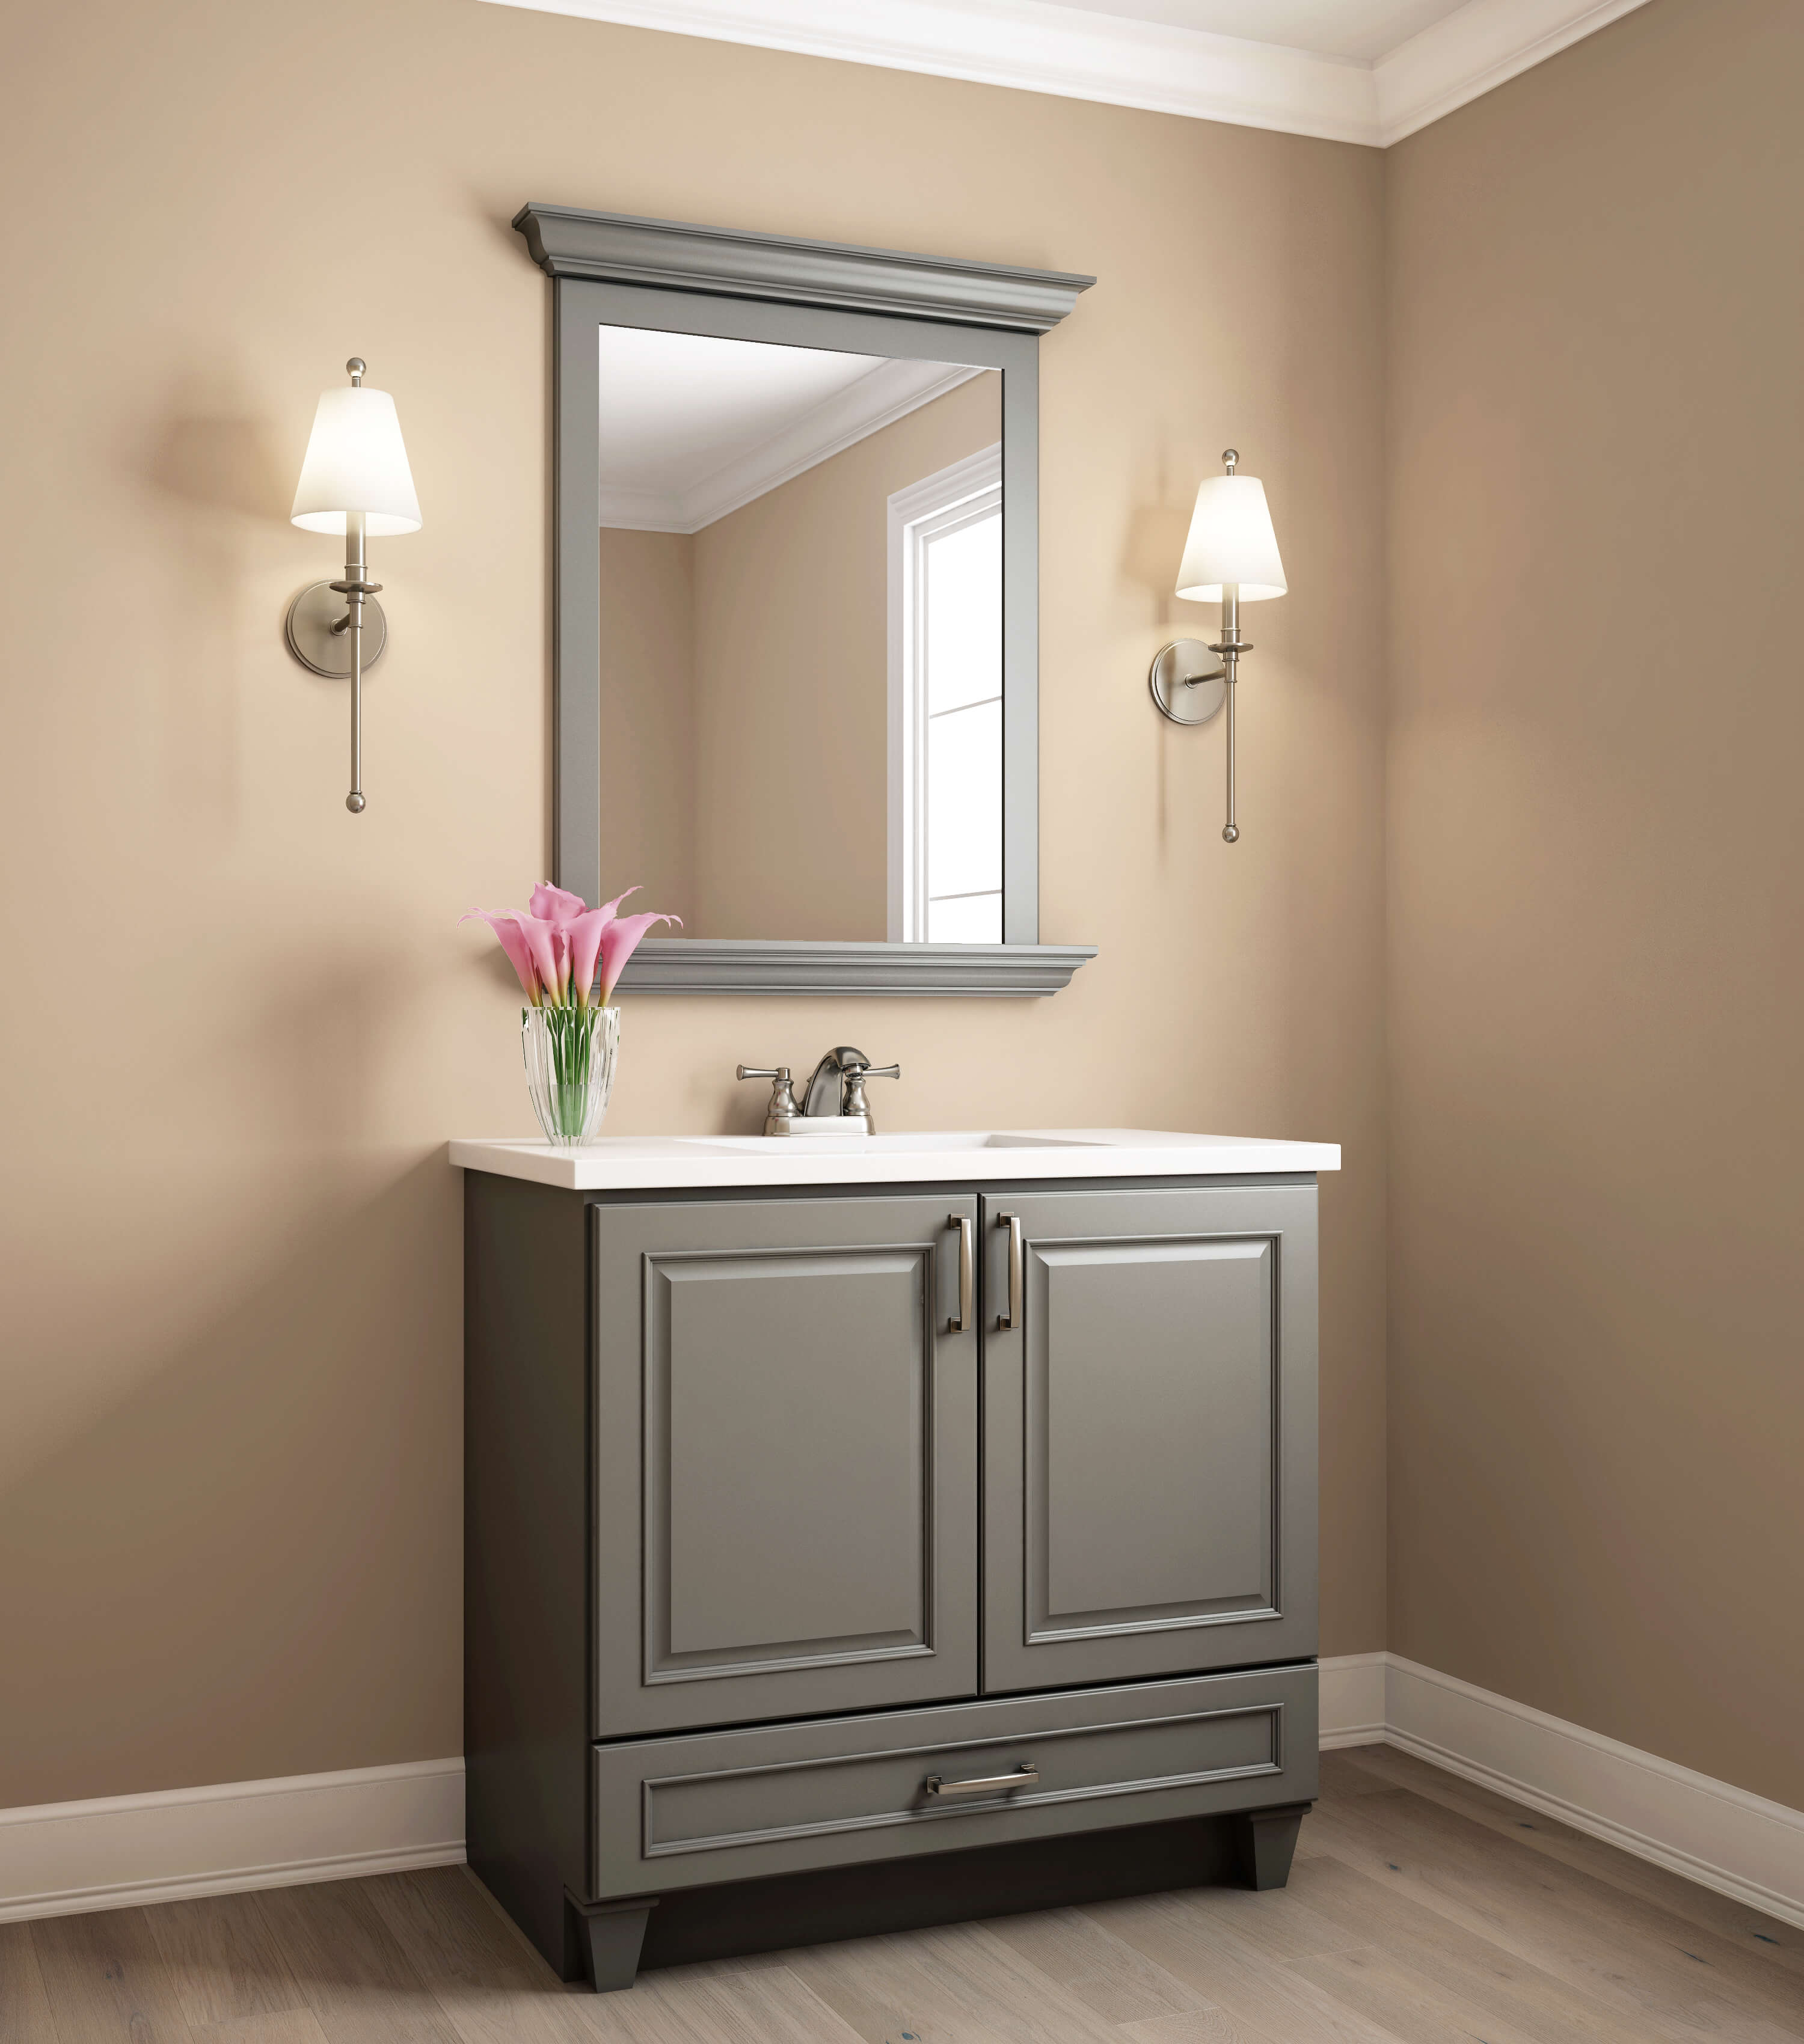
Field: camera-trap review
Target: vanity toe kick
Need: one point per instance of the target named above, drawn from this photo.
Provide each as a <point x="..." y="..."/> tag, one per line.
<point x="679" y="1812"/>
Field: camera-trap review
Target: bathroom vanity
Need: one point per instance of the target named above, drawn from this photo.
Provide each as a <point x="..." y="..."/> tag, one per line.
<point x="869" y="1531"/>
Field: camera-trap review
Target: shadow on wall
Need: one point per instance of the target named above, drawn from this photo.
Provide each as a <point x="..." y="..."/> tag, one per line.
<point x="214" y="476"/>
<point x="250" y="1491"/>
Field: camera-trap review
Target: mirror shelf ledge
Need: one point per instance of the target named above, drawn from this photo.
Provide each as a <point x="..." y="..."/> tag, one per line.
<point x="776" y="966"/>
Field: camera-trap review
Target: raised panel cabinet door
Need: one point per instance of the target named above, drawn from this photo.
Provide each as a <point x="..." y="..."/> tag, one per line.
<point x="1149" y="1371"/>
<point x="785" y="1459"/>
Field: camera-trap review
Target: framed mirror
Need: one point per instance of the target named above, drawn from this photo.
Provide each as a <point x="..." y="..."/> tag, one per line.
<point x="797" y="592"/>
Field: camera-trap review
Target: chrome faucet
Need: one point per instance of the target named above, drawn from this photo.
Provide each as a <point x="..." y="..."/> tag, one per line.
<point x="822" y="1112"/>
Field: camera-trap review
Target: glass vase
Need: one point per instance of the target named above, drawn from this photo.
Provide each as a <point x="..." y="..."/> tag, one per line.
<point x="569" y="1054"/>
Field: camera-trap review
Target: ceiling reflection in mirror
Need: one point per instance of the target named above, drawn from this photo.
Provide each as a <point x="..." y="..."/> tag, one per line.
<point x="801" y="639"/>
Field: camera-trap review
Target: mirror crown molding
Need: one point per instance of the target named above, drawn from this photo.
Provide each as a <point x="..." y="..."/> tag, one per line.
<point x="620" y="248"/>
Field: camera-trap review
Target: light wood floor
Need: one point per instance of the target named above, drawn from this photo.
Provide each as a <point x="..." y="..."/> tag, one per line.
<point x="1420" y="1909"/>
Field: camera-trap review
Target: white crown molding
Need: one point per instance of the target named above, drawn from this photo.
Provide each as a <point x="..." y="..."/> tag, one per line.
<point x="1075" y="54"/>
<point x="890" y="392"/>
<point x="1065" y="50"/>
<point x="61" y="1859"/>
<point x="1722" y="1837"/>
<point x="1485" y="44"/>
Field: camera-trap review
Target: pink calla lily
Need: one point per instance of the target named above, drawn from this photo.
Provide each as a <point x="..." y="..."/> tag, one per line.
<point x="557" y="946"/>
<point x="585" y="939"/>
<point x="556" y="905"/>
<point x="506" y="927"/>
<point x="550" y="952"/>
<point x="619" y="941"/>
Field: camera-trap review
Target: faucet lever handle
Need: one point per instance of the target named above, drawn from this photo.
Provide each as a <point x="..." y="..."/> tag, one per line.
<point x="782" y="1109"/>
<point x="879" y="1071"/>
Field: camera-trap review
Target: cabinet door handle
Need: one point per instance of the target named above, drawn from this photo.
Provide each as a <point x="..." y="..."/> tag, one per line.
<point x="1017" y="1271"/>
<point x="983" y="1785"/>
<point x="967" y="1273"/>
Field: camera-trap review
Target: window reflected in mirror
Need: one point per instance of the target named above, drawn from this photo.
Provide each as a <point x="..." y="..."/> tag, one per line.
<point x="801" y="639"/>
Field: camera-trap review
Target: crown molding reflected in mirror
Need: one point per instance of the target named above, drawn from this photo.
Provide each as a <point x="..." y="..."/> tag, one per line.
<point x="934" y="323"/>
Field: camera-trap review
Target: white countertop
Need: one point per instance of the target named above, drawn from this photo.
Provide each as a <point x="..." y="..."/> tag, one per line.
<point x="633" y="1163"/>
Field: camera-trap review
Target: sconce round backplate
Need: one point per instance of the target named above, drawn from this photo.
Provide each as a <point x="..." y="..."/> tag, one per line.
<point x="312" y="640"/>
<point x="1170" y="673"/>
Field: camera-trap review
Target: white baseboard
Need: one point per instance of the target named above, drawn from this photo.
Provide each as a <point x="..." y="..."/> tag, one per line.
<point x="1721" y="1836"/>
<point x="60" y="1859"/>
<point x="1352" y="1701"/>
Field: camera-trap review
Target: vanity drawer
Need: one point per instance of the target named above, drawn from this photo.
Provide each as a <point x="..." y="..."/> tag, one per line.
<point x="673" y="1813"/>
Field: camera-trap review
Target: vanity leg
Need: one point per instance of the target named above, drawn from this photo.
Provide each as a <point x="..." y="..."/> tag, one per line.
<point x="1265" y="1839"/>
<point x="602" y="1941"/>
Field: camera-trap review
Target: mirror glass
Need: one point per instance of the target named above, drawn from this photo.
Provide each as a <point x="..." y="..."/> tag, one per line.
<point x="802" y="638"/>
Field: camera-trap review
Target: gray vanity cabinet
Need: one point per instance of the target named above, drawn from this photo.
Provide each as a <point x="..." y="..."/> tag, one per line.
<point x="820" y="1578"/>
<point x="786" y="1445"/>
<point x="1149" y="1443"/>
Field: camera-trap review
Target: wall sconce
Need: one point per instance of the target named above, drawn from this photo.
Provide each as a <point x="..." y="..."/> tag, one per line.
<point x="355" y="481"/>
<point x="1230" y="558"/>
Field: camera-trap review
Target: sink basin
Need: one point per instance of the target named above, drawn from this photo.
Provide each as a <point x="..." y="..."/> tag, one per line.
<point x="907" y="1142"/>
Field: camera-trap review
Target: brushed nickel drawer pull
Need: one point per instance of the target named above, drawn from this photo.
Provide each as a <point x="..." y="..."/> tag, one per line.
<point x="1017" y="1271"/>
<point x="984" y="1785"/>
<point x="967" y="1273"/>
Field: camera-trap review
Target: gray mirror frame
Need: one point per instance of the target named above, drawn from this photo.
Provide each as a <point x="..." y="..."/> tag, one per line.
<point x="611" y="269"/>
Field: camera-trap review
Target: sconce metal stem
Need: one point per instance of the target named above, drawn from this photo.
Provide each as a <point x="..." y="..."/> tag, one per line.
<point x="354" y="588"/>
<point x="1188" y="693"/>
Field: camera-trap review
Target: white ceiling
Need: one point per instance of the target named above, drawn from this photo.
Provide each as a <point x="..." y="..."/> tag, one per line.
<point x="1362" y="30"/>
<point x="1348" y="71"/>
<point x="693" y="425"/>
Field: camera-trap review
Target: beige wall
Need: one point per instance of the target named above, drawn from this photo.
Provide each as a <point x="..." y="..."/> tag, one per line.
<point x="1597" y="890"/>
<point x="648" y="726"/>
<point x="792" y="683"/>
<point x="239" y="1025"/>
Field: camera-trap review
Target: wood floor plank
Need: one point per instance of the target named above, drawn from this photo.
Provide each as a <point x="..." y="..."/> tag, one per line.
<point x="24" y="2007"/>
<point x="224" y="1959"/>
<point x="1344" y="1773"/>
<point x="107" y="1978"/>
<point x="291" y="2025"/>
<point x="493" y="1988"/>
<point x="768" y="2005"/>
<point x="1388" y="1991"/>
<point x="960" y="1985"/>
<point x="1467" y="1965"/>
<point x="1243" y="1980"/>
<point x="1765" y="1937"/>
<point x="1122" y="1985"/>
<point x="1630" y="1955"/>
<point x="356" y="1978"/>
<point x="1273" y="1924"/>
<point x="1200" y="2026"/>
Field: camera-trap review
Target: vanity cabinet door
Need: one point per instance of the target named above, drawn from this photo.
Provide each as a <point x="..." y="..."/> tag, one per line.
<point x="1149" y="1433"/>
<point x="786" y="1447"/>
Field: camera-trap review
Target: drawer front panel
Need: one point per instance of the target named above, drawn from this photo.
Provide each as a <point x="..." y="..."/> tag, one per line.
<point x="676" y="1812"/>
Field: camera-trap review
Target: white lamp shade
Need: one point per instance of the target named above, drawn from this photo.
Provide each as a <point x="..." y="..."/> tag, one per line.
<point x="356" y="462"/>
<point x="1231" y="541"/>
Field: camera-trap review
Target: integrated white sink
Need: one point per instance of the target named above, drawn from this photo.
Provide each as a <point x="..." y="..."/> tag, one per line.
<point x="629" y="1163"/>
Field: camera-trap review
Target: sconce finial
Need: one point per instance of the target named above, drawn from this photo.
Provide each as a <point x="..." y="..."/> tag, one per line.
<point x="354" y="368"/>
<point x="1229" y="457"/>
